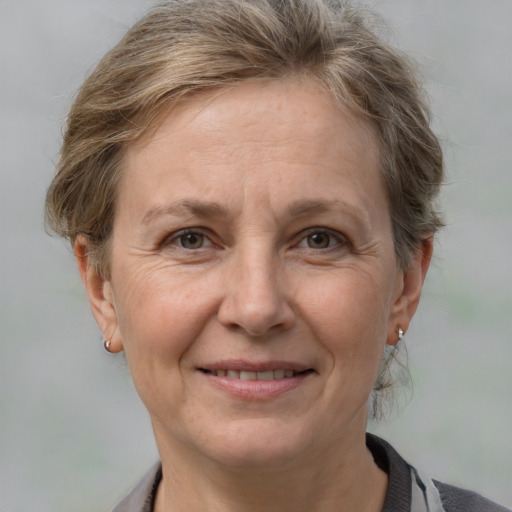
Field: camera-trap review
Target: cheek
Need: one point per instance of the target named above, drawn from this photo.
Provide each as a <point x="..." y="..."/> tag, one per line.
<point x="160" y="316"/>
<point x="348" y="302"/>
<point x="349" y="317"/>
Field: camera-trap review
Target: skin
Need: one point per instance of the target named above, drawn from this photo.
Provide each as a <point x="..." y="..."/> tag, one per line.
<point x="288" y="259"/>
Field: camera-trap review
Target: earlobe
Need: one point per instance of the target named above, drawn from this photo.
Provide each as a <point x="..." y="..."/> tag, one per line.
<point x="411" y="286"/>
<point x="99" y="292"/>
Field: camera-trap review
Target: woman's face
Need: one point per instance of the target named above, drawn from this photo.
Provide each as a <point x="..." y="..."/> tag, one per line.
<point x="253" y="277"/>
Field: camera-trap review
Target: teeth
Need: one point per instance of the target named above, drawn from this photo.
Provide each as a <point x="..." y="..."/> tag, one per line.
<point x="265" y="375"/>
<point x="247" y="375"/>
<point x="279" y="374"/>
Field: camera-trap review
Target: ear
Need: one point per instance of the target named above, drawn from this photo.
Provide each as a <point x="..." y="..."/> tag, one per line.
<point x="409" y="291"/>
<point x="99" y="291"/>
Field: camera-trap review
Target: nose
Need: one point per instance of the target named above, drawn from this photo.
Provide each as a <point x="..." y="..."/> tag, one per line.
<point x="257" y="299"/>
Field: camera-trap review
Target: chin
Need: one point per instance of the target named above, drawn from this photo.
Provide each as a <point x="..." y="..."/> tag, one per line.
<point x="255" y="443"/>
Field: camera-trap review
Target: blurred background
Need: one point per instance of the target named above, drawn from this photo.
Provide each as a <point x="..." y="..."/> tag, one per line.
<point x="73" y="434"/>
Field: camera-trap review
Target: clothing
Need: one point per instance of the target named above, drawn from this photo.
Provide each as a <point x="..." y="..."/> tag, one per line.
<point x="408" y="491"/>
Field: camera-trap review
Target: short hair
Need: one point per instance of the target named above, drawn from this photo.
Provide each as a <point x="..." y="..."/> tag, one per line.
<point x="185" y="47"/>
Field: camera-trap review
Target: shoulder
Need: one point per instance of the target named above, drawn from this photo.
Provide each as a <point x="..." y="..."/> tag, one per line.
<point x="141" y="498"/>
<point x="406" y="489"/>
<point x="455" y="499"/>
<point x="410" y="491"/>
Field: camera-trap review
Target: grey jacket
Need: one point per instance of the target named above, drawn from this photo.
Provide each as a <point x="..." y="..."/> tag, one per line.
<point x="408" y="491"/>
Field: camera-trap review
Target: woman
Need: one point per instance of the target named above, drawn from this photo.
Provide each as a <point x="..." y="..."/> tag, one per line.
<point x="249" y="187"/>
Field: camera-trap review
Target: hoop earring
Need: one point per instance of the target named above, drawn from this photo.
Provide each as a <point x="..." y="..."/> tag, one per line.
<point x="400" y="334"/>
<point x="106" y="345"/>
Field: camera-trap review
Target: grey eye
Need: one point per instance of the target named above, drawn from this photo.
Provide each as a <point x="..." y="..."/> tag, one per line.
<point x="192" y="241"/>
<point x="318" y="240"/>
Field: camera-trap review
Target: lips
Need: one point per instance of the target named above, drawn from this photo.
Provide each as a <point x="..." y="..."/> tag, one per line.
<point x="250" y="380"/>
<point x="253" y="375"/>
<point x="254" y="370"/>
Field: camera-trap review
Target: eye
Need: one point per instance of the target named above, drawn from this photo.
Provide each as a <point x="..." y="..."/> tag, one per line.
<point x="191" y="240"/>
<point x="319" y="239"/>
<point x="188" y="240"/>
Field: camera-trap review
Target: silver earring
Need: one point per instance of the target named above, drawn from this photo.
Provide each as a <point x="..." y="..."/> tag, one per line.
<point x="400" y="334"/>
<point x="106" y="345"/>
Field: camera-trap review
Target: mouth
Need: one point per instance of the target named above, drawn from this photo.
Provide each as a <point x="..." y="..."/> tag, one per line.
<point x="265" y="375"/>
<point x="256" y="381"/>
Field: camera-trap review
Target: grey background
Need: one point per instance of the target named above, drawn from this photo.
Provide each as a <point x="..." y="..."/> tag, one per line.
<point x="73" y="434"/>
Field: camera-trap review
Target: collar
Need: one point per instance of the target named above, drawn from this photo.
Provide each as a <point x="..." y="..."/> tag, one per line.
<point x="398" y="495"/>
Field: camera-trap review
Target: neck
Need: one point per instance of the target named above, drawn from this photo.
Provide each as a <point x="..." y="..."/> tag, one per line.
<point x="344" y="480"/>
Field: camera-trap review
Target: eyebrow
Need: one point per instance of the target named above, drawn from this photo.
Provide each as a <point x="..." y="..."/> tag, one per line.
<point x="210" y="209"/>
<point x="186" y="207"/>
<point x="304" y="207"/>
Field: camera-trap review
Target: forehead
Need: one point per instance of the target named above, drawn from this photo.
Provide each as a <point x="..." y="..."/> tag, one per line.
<point x="276" y="132"/>
<point x="280" y="103"/>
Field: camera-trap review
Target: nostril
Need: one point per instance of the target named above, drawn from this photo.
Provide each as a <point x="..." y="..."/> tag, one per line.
<point x="256" y="319"/>
<point x="255" y="301"/>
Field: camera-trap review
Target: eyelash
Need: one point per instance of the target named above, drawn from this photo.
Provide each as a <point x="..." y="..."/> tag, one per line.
<point x="335" y="239"/>
<point x="175" y="238"/>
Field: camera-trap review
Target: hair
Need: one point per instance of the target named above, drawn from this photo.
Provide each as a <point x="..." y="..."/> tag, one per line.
<point x="184" y="47"/>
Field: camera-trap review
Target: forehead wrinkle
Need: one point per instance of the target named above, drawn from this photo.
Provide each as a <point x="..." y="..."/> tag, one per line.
<point x="196" y="208"/>
<point x="305" y="207"/>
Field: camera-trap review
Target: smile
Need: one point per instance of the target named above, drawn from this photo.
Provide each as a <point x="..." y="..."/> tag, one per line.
<point x="251" y="375"/>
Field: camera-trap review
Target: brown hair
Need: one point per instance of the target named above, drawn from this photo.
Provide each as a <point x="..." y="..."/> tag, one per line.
<point x="183" y="47"/>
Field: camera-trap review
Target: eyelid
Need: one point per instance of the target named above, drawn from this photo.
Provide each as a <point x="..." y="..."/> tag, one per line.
<point x="340" y="237"/>
<point x="171" y="239"/>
